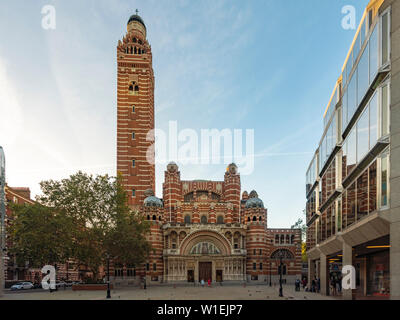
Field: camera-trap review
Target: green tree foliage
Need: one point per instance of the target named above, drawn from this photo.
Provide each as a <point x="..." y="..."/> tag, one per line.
<point x="39" y="235"/>
<point x="84" y="218"/>
<point x="299" y="224"/>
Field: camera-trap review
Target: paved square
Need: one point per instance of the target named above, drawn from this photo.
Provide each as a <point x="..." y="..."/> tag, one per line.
<point x="164" y="292"/>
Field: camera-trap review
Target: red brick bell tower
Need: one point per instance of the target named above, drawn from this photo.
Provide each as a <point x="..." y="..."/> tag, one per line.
<point x="135" y="111"/>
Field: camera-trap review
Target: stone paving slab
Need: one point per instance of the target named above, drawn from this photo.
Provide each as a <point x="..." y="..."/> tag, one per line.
<point x="237" y="292"/>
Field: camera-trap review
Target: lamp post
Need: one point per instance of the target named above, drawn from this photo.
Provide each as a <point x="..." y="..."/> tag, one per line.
<point x="2" y="218"/>
<point x="280" y="274"/>
<point x="108" y="277"/>
<point x="270" y="273"/>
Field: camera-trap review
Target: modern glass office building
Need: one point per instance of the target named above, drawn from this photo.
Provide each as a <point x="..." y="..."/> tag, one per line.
<point x="353" y="180"/>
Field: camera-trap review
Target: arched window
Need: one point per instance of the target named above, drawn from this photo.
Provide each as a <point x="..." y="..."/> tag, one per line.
<point x="220" y="220"/>
<point x="292" y="239"/>
<point x="287" y="239"/>
<point x="131" y="88"/>
<point x="136" y="88"/>
<point x="248" y="219"/>
<point x="187" y="219"/>
<point x="205" y="248"/>
<point x="254" y="218"/>
<point x="140" y="41"/>
<point x="134" y="40"/>
<point x="276" y="238"/>
<point x="282" y="238"/>
<point x="154" y="217"/>
<point x="159" y="218"/>
<point x="203" y="220"/>
<point x="135" y="50"/>
<point x="285" y="253"/>
<point x="131" y="50"/>
<point x="260" y="218"/>
<point x="148" y="217"/>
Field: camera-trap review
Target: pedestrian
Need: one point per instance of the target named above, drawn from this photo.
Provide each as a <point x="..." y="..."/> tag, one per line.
<point x="339" y="285"/>
<point x="202" y="282"/>
<point x="297" y="285"/>
<point x="313" y="284"/>
<point x="334" y="286"/>
<point x="209" y="282"/>
<point x="304" y="283"/>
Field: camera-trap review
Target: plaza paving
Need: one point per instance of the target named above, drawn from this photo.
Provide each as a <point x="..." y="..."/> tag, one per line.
<point x="164" y="292"/>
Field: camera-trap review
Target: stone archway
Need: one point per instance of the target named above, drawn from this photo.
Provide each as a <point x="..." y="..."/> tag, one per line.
<point x="205" y="236"/>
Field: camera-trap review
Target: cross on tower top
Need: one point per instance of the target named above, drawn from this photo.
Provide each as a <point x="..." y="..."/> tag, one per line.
<point x="137" y="11"/>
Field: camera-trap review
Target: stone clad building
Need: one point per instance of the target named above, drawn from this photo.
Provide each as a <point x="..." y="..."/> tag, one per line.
<point x="199" y="229"/>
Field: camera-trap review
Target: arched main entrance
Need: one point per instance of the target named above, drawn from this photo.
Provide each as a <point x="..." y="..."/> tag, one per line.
<point x="204" y="254"/>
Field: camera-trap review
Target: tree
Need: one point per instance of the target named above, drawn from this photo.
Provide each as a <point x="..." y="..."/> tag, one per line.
<point x="39" y="235"/>
<point x="125" y="240"/>
<point x="103" y="223"/>
<point x="299" y="224"/>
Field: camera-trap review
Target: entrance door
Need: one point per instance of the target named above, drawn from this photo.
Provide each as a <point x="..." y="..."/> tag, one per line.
<point x="190" y="276"/>
<point x="205" y="271"/>
<point x="219" y="276"/>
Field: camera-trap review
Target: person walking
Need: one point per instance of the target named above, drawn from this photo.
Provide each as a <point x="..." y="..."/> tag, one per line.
<point x="313" y="284"/>
<point x="334" y="286"/>
<point x="209" y="282"/>
<point x="202" y="282"/>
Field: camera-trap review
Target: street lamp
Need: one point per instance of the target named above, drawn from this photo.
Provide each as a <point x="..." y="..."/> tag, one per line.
<point x="108" y="277"/>
<point x="280" y="274"/>
<point x="270" y="273"/>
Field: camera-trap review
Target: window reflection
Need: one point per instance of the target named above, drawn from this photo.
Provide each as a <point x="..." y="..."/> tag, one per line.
<point x="362" y="135"/>
<point x="373" y="121"/>
<point x="373" y="55"/>
<point x="385" y="38"/>
<point x="363" y="76"/>
<point x="339" y="215"/>
<point x="362" y="195"/>
<point x="385" y="110"/>
<point x="352" y="95"/>
<point x="351" y="204"/>
<point x="372" y="193"/>
<point x="351" y="151"/>
<point x="384" y="180"/>
<point x="344" y="111"/>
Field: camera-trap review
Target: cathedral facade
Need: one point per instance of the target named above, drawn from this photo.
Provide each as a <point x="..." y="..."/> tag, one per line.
<point x="200" y="229"/>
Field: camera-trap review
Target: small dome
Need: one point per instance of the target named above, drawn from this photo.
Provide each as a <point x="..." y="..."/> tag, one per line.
<point x="232" y="168"/>
<point x="153" y="201"/>
<point x="149" y="192"/>
<point x="245" y="195"/>
<point x="172" y="167"/>
<point x="136" y="17"/>
<point x="254" y="203"/>
<point x="253" y="194"/>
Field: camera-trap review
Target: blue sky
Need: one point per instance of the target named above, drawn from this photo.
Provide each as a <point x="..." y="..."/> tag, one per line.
<point x="265" y="65"/>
